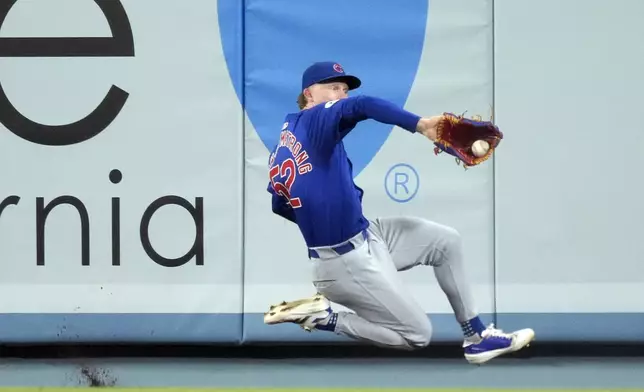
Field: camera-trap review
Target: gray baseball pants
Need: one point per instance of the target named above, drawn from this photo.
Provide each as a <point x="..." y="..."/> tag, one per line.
<point x="365" y="280"/>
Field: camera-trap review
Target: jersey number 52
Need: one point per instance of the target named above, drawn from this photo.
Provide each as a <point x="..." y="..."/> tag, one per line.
<point x="286" y="169"/>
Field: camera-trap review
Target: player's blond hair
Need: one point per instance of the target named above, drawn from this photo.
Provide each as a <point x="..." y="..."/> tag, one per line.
<point x="302" y="101"/>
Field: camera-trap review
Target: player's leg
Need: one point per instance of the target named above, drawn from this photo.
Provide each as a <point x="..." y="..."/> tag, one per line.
<point x="364" y="280"/>
<point x="316" y="313"/>
<point x="416" y="241"/>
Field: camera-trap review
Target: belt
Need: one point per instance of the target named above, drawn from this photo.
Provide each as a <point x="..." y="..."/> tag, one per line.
<point x="338" y="250"/>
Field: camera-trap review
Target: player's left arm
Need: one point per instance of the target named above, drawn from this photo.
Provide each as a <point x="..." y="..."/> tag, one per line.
<point x="453" y="134"/>
<point x="338" y="118"/>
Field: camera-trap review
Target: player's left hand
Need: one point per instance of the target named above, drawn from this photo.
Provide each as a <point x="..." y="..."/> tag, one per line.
<point x="428" y="126"/>
<point x="456" y="135"/>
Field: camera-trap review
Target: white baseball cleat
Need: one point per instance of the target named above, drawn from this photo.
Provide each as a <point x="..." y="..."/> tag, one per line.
<point x="305" y="312"/>
<point x="495" y="342"/>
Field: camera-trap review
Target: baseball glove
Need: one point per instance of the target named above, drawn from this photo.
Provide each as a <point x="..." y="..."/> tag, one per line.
<point x="456" y="134"/>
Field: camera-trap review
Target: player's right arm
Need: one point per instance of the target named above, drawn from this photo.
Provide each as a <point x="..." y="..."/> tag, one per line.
<point x="280" y="206"/>
<point x="336" y="119"/>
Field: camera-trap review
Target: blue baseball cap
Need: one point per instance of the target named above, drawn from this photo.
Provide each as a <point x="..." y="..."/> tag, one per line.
<point x="327" y="72"/>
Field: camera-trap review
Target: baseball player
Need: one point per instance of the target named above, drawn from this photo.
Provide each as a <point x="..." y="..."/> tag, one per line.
<point x="355" y="260"/>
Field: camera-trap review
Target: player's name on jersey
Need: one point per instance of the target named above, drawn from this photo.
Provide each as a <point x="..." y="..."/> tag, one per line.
<point x="288" y="140"/>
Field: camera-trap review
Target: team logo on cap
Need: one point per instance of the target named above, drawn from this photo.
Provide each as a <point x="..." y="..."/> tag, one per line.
<point x="338" y="68"/>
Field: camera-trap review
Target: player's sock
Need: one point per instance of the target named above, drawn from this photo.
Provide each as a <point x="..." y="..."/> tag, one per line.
<point x="328" y="324"/>
<point x="473" y="328"/>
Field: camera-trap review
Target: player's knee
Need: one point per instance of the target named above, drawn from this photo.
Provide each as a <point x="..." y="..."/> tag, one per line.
<point x="421" y="337"/>
<point x="450" y="244"/>
<point x="452" y="237"/>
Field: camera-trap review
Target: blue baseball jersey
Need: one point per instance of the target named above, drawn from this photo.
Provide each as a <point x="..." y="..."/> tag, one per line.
<point x="310" y="174"/>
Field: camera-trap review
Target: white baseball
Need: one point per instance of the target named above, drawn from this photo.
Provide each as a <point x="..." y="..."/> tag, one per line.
<point x="480" y="148"/>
